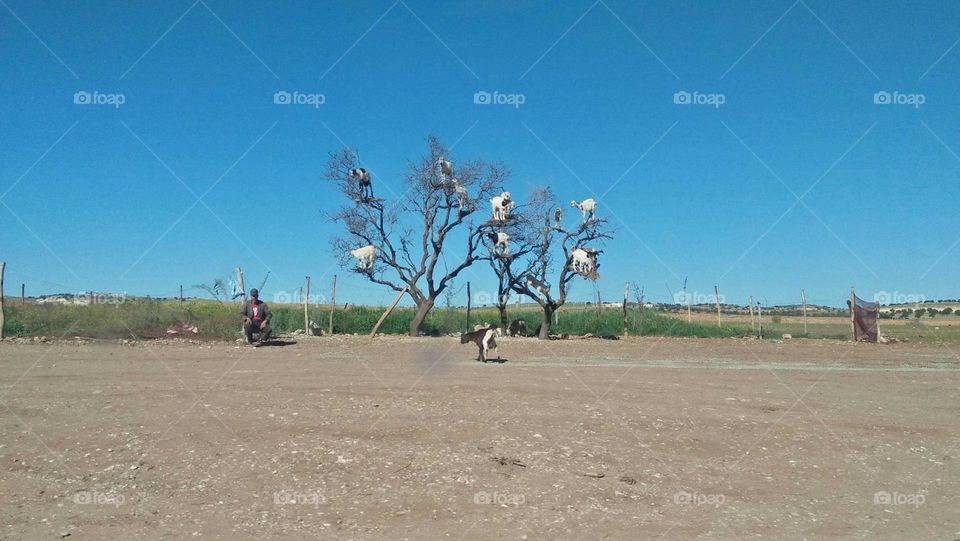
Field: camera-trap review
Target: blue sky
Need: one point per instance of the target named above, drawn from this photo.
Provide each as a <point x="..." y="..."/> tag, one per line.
<point x="100" y="197"/>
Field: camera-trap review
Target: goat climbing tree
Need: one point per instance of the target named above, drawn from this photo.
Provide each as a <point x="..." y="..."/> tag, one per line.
<point x="524" y="230"/>
<point x="416" y="234"/>
<point x="554" y="242"/>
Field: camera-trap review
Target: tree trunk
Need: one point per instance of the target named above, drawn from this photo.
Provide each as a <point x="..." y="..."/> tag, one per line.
<point x="504" y="324"/>
<point x="547" y="321"/>
<point x="422" y="310"/>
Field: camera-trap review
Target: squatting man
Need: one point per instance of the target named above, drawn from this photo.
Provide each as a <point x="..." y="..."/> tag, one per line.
<point x="256" y="319"/>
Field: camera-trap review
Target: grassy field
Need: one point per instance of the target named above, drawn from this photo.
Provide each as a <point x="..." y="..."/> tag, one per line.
<point x="150" y="319"/>
<point x="940" y="329"/>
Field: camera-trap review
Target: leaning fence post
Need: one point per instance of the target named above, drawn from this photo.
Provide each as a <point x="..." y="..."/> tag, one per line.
<point x="387" y="312"/>
<point x="716" y="298"/>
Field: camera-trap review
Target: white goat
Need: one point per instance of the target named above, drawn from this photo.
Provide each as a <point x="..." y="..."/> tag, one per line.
<point x="538" y="285"/>
<point x="365" y="256"/>
<point x="502" y="205"/>
<point x="363" y="179"/>
<point x="501" y="244"/>
<point x="446" y="168"/>
<point x="588" y="207"/>
<point x="461" y="192"/>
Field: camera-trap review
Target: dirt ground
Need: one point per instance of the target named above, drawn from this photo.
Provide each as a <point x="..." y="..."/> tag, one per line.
<point x="401" y="438"/>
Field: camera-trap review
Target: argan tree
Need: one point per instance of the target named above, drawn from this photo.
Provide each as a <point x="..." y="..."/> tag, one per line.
<point x="552" y="255"/>
<point x="426" y="237"/>
<point x="524" y="229"/>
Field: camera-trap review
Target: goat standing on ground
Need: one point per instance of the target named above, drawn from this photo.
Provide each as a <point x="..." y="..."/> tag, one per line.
<point x="365" y="256"/>
<point x="588" y="207"/>
<point x="501" y="205"/>
<point x="362" y="177"/>
<point x="485" y="339"/>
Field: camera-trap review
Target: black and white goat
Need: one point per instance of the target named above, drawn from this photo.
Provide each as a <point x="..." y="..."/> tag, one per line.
<point x="486" y="340"/>
<point x="501" y="244"/>
<point x="362" y="176"/>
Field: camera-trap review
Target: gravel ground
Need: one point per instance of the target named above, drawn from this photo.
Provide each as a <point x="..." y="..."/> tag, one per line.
<point x="401" y="438"/>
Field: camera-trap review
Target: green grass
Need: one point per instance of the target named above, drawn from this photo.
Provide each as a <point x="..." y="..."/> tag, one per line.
<point x="149" y="319"/>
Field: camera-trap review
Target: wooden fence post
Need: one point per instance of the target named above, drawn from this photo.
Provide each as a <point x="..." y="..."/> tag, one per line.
<point x="467" y="328"/>
<point x="803" y="299"/>
<point x="3" y="266"/>
<point x="716" y="299"/>
<point x="626" y="292"/>
<point x="640" y="327"/>
<point x="760" y="320"/>
<point x="181" y="294"/>
<point x="23" y="294"/>
<point x="753" y="326"/>
<point x="333" y="305"/>
<point x="306" y="304"/>
<point x="387" y="312"/>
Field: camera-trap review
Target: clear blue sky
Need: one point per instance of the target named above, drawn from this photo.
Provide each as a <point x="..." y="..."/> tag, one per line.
<point x="90" y="196"/>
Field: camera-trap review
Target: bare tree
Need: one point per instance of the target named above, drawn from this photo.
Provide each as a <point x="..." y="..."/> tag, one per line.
<point x="524" y="230"/>
<point x="528" y="275"/>
<point x="411" y="236"/>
